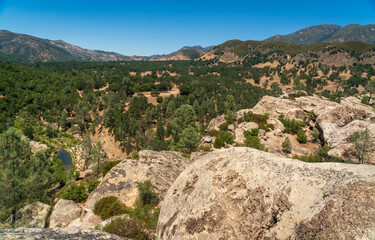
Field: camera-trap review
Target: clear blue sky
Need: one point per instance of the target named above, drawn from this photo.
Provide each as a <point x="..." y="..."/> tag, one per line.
<point x="155" y="27"/>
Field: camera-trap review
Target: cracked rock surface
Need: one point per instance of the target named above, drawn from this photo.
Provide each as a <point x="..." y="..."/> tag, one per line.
<point x="243" y="193"/>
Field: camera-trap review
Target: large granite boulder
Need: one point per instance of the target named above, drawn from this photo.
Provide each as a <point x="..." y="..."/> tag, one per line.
<point x="64" y="212"/>
<point x="162" y="168"/>
<point x="87" y="220"/>
<point x="338" y="123"/>
<point x="215" y="123"/>
<point x="55" y="233"/>
<point x="243" y="193"/>
<point x="33" y="215"/>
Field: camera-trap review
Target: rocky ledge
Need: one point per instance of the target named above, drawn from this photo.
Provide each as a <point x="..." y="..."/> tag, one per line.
<point x="243" y="193"/>
<point x="55" y="234"/>
<point x="162" y="168"/>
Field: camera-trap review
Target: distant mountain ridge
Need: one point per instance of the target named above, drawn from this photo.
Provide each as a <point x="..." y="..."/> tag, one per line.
<point x="27" y="48"/>
<point x="22" y="47"/>
<point x="329" y="33"/>
<point x="185" y="53"/>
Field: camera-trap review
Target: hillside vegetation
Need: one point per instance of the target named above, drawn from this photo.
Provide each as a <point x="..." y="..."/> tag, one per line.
<point x="329" y="33"/>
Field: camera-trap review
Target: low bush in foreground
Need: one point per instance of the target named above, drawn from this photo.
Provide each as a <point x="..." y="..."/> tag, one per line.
<point x="108" y="207"/>
<point x="75" y="192"/>
<point x="140" y="223"/>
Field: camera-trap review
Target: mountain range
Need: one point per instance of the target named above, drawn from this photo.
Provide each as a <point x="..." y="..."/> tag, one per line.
<point x="25" y="48"/>
<point x="329" y="33"/>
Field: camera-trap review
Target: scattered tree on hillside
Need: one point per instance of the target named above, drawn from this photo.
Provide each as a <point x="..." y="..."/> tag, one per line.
<point x="86" y="148"/>
<point x="230" y="108"/>
<point x="98" y="157"/>
<point x="276" y="90"/>
<point x="363" y="146"/>
<point x="371" y="89"/>
<point x="188" y="140"/>
<point x="286" y="145"/>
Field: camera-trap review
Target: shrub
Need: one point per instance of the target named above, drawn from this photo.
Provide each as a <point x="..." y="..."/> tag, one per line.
<point x="291" y="126"/>
<point x="159" y="99"/>
<point x="365" y="100"/>
<point x="254" y="142"/>
<point x="252" y="139"/>
<point x="247" y="116"/>
<point x="253" y="132"/>
<point x="185" y="155"/>
<point x="147" y="195"/>
<point x="135" y="155"/>
<point x="108" y="207"/>
<point x="93" y="185"/>
<point x="260" y="119"/>
<point x="139" y="224"/>
<point x="257" y="118"/>
<point x="241" y="120"/>
<point x="316" y="136"/>
<point x="108" y="166"/>
<point x="212" y="133"/>
<point x="219" y="143"/>
<point x="301" y="136"/>
<point x="226" y="136"/>
<point x="224" y="126"/>
<point x="286" y="145"/>
<point x="230" y="116"/>
<point x="128" y="226"/>
<point x="75" y="192"/>
<point x="204" y="148"/>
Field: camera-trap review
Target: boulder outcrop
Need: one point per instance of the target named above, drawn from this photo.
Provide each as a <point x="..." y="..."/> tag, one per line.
<point x="243" y="193"/>
<point x="87" y="220"/>
<point x="56" y="233"/>
<point x="64" y="212"/>
<point x="336" y="122"/>
<point x="33" y="215"/>
<point x="162" y="168"/>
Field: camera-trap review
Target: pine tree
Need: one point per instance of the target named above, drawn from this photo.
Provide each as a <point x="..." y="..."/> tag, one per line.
<point x="98" y="157"/>
<point x="363" y="146"/>
<point x="188" y="140"/>
<point x="22" y="177"/>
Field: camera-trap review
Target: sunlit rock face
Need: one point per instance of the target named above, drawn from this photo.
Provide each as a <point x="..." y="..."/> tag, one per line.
<point x="243" y="193"/>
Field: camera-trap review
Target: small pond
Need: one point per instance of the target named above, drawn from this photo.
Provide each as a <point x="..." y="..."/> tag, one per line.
<point x="65" y="158"/>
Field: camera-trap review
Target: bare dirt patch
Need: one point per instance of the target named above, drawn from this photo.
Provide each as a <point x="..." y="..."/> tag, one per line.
<point x="267" y="64"/>
<point x="109" y="144"/>
<point x="102" y="88"/>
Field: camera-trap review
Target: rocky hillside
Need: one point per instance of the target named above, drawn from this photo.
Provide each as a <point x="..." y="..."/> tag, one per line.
<point x="185" y="53"/>
<point x="56" y="233"/>
<point x="337" y="54"/>
<point x="243" y="193"/>
<point x="233" y="193"/>
<point x="322" y="121"/>
<point x="22" y="47"/>
<point x="329" y="33"/>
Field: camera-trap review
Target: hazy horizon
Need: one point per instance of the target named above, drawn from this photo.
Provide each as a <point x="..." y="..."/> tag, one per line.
<point x="148" y="27"/>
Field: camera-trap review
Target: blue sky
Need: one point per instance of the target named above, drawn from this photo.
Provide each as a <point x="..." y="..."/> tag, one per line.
<point x="154" y="27"/>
